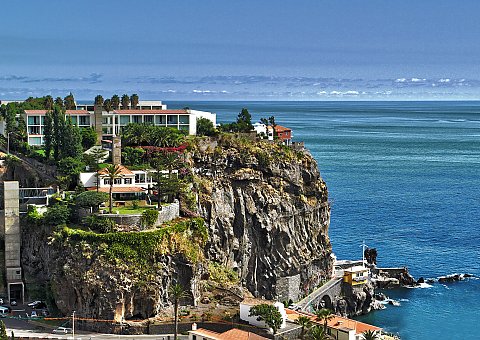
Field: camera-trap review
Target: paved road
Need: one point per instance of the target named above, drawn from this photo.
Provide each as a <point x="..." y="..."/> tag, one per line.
<point x="305" y="302"/>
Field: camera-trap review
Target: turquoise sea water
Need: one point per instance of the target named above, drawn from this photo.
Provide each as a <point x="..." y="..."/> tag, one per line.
<point x="404" y="177"/>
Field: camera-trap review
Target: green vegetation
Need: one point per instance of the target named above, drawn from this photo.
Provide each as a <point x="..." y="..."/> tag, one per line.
<point x="89" y="137"/>
<point x="268" y="314"/>
<point x="100" y="223"/>
<point x="167" y="184"/>
<point x="370" y="335"/>
<point x="91" y="199"/>
<point x="317" y="333"/>
<point x="150" y="135"/>
<point x="243" y="123"/>
<point x="222" y="274"/>
<point x="324" y="315"/>
<point x="176" y="292"/>
<point x="3" y="331"/>
<point x="132" y="156"/>
<point x="112" y="172"/>
<point x="205" y="127"/>
<point x="182" y="236"/>
<point x="305" y="323"/>
<point x="58" y="214"/>
<point x="131" y="210"/>
<point x="149" y="217"/>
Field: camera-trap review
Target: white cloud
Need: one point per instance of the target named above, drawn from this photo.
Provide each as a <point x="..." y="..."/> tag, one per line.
<point x="444" y="80"/>
<point x="401" y="80"/>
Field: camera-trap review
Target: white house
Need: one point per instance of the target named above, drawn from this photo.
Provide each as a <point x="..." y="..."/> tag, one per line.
<point x="248" y="303"/>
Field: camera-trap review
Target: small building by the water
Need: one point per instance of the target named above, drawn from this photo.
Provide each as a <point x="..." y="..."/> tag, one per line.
<point x="355" y="275"/>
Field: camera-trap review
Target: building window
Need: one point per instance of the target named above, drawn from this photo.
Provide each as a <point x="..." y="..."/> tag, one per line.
<point x="172" y="119"/>
<point x="137" y="119"/>
<point x="117" y="181"/>
<point x="124" y="120"/>
<point x="184" y="119"/>
<point x="106" y="181"/>
<point x="35" y="141"/>
<point x="73" y="119"/>
<point x="128" y="181"/>
<point x="160" y="120"/>
<point x="34" y="130"/>
<point x="84" y="120"/>
<point x="33" y="120"/>
<point x="148" y="119"/>
<point x="139" y="178"/>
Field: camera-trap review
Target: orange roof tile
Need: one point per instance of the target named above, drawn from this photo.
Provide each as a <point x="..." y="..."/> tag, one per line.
<point x="132" y="111"/>
<point x="279" y="128"/>
<point x="68" y="112"/>
<point x="123" y="171"/>
<point x="232" y="334"/>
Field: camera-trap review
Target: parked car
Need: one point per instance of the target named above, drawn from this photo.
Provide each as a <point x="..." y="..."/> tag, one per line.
<point x="38" y="305"/>
<point x="4" y="312"/>
<point x="13" y="303"/>
<point x="62" y="330"/>
<point x="33" y="314"/>
<point x="7" y="307"/>
<point x="32" y="304"/>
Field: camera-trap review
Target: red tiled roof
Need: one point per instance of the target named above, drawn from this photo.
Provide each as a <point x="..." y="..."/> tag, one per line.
<point x="122" y="171"/>
<point x="232" y="334"/>
<point x="117" y="190"/>
<point x="132" y="112"/>
<point x="279" y="128"/>
<point x="68" y="112"/>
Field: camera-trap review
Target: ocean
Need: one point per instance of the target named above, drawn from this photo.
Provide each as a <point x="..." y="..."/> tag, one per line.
<point x="405" y="178"/>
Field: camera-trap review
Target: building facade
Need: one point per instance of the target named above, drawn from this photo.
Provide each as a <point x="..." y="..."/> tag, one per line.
<point x="110" y="124"/>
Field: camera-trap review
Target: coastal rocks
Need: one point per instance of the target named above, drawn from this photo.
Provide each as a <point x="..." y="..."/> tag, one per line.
<point x="268" y="215"/>
<point x="392" y="277"/>
<point x="355" y="300"/>
<point x="453" y="278"/>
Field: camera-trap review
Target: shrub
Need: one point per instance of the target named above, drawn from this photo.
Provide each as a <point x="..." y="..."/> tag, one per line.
<point x="100" y="224"/>
<point x="205" y="127"/>
<point x="135" y="204"/>
<point x="149" y="217"/>
<point x="91" y="199"/>
<point x="132" y="156"/>
<point x="57" y="215"/>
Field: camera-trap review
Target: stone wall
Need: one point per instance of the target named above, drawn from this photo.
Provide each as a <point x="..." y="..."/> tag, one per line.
<point x="288" y="288"/>
<point x="168" y="213"/>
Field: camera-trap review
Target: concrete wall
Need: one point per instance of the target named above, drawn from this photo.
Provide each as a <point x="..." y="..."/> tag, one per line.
<point x="288" y="288"/>
<point x="168" y="213"/>
<point x="252" y="320"/>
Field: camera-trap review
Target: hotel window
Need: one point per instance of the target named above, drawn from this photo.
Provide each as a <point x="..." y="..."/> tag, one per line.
<point x="184" y="119"/>
<point x="35" y="141"/>
<point x="73" y="119"/>
<point x="128" y="181"/>
<point x="105" y="120"/>
<point x="160" y="120"/>
<point x="34" y="130"/>
<point x="84" y="120"/>
<point x="33" y="120"/>
<point x="139" y="178"/>
<point x="137" y="119"/>
<point x="148" y="119"/>
<point x="106" y="181"/>
<point x="172" y="119"/>
<point x="124" y="120"/>
<point x="117" y="181"/>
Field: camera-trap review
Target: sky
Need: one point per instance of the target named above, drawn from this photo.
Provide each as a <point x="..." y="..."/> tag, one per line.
<point x="241" y="50"/>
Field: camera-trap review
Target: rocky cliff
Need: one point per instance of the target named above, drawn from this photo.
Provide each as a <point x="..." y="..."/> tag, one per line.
<point x="267" y="213"/>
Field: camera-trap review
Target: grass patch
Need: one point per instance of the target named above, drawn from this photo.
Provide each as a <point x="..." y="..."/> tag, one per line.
<point x="131" y="210"/>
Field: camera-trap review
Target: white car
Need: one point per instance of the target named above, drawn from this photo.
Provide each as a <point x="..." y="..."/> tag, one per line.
<point x="34" y="303"/>
<point x="62" y="330"/>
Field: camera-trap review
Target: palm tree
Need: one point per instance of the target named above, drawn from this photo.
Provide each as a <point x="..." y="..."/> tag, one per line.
<point x="324" y="315"/>
<point x="107" y="105"/>
<point x="370" y="335"/>
<point x="306" y="323"/>
<point x="176" y="293"/>
<point x="99" y="100"/>
<point x="317" y="333"/>
<point x="112" y="172"/>
<point x="125" y="101"/>
<point x="134" y="100"/>
<point x="115" y="102"/>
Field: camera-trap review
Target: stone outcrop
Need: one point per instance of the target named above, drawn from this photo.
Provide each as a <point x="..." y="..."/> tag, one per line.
<point x="355" y="300"/>
<point x="267" y="212"/>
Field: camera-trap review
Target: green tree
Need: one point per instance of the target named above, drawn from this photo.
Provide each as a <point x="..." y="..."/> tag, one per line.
<point x="48" y="133"/>
<point x="115" y="102"/>
<point x="112" y="172"/>
<point x="317" y="333"/>
<point x="134" y="100"/>
<point x="107" y="105"/>
<point x="166" y="184"/>
<point x="324" y="315"/>
<point x="58" y="130"/>
<point x="71" y="167"/>
<point x="176" y="293"/>
<point x="370" y="335"/>
<point x="59" y="102"/>
<point x="99" y="100"/>
<point x="57" y="215"/>
<point x="125" y="101"/>
<point x="268" y="314"/>
<point x="132" y="156"/>
<point x="69" y="102"/>
<point x="91" y="199"/>
<point x="3" y="331"/>
<point x="71" y="141"/>
<point x="89" y="137"/>
<point x="305" y="323"/>
<point x="244" y="121"/>
<point x="48" y="103"/>
<point x="205" y="127"/>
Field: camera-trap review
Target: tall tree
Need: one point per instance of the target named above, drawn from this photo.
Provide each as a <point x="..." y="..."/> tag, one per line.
<point x="324" y="315"/>
<point x="176" y="293"/>
<point x="125" y="101"/>
<point x="134" y="100"/>
<point x="48" y="133"/>
<point x="112" y="172"/>
<point x="99" y="100"/>
<point x="115" y="102"/>
<point x="69" y="102"/>
<point x="71" y="145"/>
<point x="317" y="333"/>
<point x="48" y="102"/>
<point x="3" y="331"/>
<point x="268" y="314"/>
<point x="58" y="128"/>
<point x="370" y="335"/>
<point x="244" y="121"/>
<point x="59" y="102"/>
<point x="107" y="105"/>
<point x="166" y="184"/>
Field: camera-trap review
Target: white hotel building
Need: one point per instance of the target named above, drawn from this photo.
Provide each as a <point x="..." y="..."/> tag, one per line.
<point x="109" y="124"/>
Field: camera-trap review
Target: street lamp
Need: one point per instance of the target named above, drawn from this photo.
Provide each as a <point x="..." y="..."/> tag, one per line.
<point x="73" y="325"/>
<point x="8" y="141"/>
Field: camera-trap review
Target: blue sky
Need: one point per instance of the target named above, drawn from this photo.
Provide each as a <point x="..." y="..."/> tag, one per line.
<point x="209" y="50"/>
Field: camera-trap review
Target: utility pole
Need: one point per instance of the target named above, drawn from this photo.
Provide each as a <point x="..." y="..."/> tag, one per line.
<point x="363" y="253"/>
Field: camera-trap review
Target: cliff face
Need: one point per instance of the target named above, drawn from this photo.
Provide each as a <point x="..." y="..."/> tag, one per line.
<point x="268" y="212"/>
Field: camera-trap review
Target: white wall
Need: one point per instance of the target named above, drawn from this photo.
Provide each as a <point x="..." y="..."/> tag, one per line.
<point x="252" y="320"/>
<point x="195" y="114"/>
